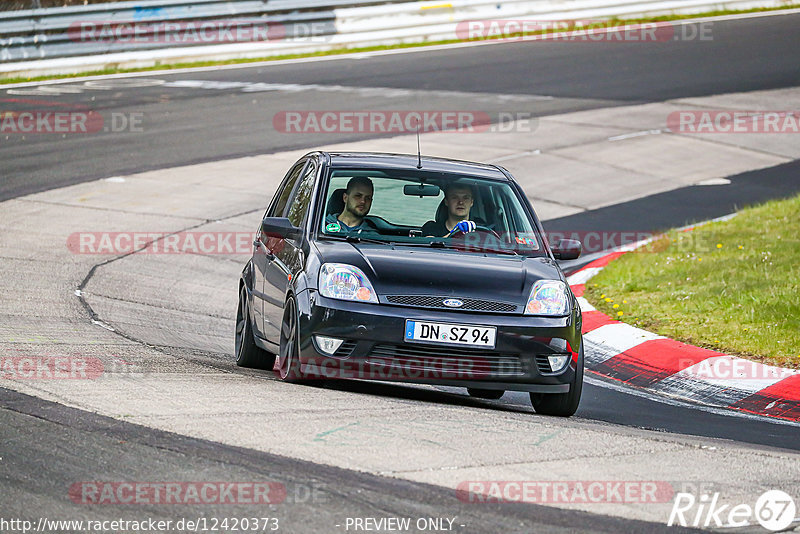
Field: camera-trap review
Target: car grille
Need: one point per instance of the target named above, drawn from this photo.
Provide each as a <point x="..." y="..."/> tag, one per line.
<point x="542" y="363"/>
<point x="424" y="301"/>
<point x="448" y="361"/>
<point x="345" y="349"/>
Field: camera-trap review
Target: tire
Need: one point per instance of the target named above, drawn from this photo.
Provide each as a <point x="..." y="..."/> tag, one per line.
<point x="287" y="364"/>
<point x="248" y="354"/>
<point x="491" y="394"/>
<point x="561" y="404"/>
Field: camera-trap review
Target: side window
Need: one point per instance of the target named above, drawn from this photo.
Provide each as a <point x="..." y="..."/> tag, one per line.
<point x="288" y="185"/>
<point x="302" y="196"/>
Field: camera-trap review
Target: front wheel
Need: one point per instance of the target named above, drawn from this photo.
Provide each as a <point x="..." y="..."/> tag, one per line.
<point x="561" y="404"/>
<point x="287" y="364"/>
<point x="248" y="354"/>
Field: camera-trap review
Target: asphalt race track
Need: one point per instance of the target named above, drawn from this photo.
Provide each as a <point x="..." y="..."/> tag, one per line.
<point x="193" y="415"/>
<point x="185" y="124"/>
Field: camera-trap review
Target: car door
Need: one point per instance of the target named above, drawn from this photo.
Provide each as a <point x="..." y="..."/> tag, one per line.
<point x="288" y="253"/>
<point x="263" y="255"/>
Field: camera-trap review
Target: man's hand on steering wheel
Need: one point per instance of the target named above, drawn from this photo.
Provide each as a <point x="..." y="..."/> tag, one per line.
<point x="463" y="227"/>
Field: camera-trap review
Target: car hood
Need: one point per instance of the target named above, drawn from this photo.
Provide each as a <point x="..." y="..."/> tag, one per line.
<point x="443" y="272"/>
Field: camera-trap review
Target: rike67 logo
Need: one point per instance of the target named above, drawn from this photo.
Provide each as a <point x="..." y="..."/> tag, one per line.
<point x="774" y="510"/>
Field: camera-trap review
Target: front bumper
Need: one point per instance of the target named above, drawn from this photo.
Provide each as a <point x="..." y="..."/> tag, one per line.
<point x="374" y="346"/>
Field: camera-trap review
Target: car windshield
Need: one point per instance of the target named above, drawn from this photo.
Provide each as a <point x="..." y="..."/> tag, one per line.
<point x="424" y="208"/>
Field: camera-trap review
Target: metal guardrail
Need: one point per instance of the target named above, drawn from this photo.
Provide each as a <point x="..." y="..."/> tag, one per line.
<point x="38" y="42"/>
<point x="56" y="32"/>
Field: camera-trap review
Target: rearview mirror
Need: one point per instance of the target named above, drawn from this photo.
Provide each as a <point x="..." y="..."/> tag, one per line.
<point x="279" y="227"/>
<point x="421" y="190"/>
<point x="567" y="249"/>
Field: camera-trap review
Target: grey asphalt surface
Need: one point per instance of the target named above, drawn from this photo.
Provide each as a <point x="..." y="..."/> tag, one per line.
<point x="53" y="447"/>
<point x="186" y="125"/>
<point x="687" y="205"/>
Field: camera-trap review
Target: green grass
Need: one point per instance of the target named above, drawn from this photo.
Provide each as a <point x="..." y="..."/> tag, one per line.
<point x="345" y="50"/>
<point x="731" y="286"/>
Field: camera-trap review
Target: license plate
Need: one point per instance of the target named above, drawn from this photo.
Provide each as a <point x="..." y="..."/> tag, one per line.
<point x="451" y="334"/>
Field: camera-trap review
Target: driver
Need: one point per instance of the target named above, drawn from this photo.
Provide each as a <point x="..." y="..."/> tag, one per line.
<point x="459" y="199"/>
<point x="357" y="202"/>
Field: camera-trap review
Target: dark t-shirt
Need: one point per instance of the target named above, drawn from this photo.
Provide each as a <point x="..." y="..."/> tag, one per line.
<point x="434" y="228"/>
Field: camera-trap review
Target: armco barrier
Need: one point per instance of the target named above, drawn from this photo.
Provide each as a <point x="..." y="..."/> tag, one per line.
<point x="50" y="32"/>
<point x="439" y="20"/>
<point x="38" y="42"/>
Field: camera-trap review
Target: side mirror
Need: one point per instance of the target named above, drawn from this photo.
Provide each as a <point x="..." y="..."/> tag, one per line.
<point x="279" y="227"/>
<point x="567" y="249"/>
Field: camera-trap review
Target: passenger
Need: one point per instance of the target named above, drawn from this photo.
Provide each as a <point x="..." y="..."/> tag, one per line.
<point x="459" y="199"/>
<point x="357" y="203"/>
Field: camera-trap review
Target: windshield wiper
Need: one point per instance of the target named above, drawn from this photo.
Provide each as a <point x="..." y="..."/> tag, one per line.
<point x="471" y="247"/>
<point x="436" y="243"/>
<point x="358" y="239"/>
<point x="426" y="244"/>
<point x="498" y="250"/>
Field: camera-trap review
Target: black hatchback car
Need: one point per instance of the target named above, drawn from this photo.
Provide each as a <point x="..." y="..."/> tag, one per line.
<point x="404" y="268"/>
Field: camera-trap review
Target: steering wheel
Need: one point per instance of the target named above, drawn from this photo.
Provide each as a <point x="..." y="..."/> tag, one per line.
<point x="478" y="228"/>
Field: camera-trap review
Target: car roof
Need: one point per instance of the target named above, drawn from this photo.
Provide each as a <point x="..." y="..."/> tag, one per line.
<point x="378" y="160"/>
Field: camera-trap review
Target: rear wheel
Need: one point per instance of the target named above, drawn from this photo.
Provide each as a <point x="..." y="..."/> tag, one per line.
<point x="287" y="364"/>
<point x="248" y="354"/>
<point x="561" y="404"/>
<point x="491" y="394"/>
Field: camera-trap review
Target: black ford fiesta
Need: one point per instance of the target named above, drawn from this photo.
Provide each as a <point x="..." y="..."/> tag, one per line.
<point x="399" y="268"/>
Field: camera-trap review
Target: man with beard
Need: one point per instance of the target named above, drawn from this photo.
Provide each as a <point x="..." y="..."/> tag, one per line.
<point x="357" y="202"/>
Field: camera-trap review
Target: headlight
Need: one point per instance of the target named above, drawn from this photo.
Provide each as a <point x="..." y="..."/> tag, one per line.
<point x="548" y="297"/>
<point x="345" y="282"/>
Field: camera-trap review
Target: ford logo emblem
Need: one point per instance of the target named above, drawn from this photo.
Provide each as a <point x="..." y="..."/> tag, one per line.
<point x="452" y="303"/>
